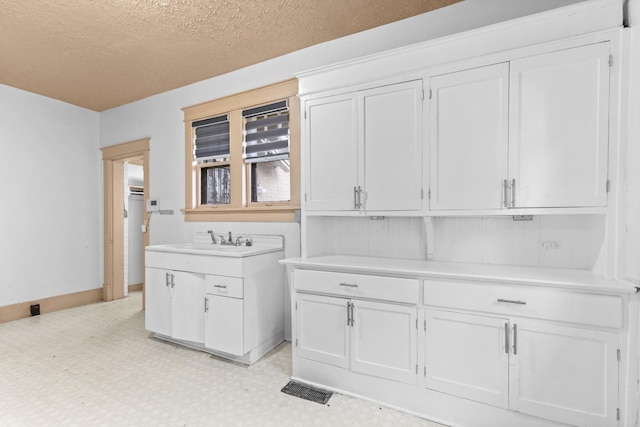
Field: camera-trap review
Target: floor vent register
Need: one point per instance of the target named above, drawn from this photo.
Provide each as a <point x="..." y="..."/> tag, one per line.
<point x="307" y="392"/>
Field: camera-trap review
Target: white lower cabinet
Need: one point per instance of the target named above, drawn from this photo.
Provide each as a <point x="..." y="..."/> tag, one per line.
<point x="567" y="374"/>
<point x="374" y="338"/>
<point x="174" y="305"/>
<point x="224" y="327"/>
<point x="323" y="329"/>
<point x="466" y="355"/>
<point x="384" y="340"/>
<point x="561" y="373"/>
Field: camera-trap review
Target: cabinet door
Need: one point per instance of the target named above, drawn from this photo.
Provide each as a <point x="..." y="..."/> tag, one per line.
<point x="391" y="141"/>
<point x="157" y="313"/>
<point x="384" y="341"/>
<point x="322" y="329"/>
<point x="469" y="138"/>
<point x="224" y="329"/>
<point x="330" y="153"/>
<point x="569" y="375"/>
<point x="559" y="128"/>
<point x="467" y="356"/>
<point x="187" y="311"/>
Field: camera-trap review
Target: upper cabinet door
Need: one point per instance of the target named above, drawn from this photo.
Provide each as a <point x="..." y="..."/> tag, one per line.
<point x="391" y="140"/>
<point x="559" y="128"/>
<point x="331" y="156"/>
<point x="469" y="138"/>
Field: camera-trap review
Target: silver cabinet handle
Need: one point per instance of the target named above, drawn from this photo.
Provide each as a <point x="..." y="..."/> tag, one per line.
<point x="350" y="319"/>
<point x="513" y="193"/>
<point x="515" y="339"/>
<point x="511" y="301"/>
<point x="349" y="285"/>
<point x="355" y="198"/>
<point x="348" y="313"/>
<point x="166" y="279"/>
<point x="220" y="286"/>
<point x="506" y="338"/>
<point x="173" y="283"/>
<point x="206" y="304"/>
<point x="505" y="201"/>
<point x="359" y="197"/>
<point x="353" y="320"/>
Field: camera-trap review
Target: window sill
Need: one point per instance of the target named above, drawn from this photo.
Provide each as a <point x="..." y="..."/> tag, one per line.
<point x="245" y="214"/>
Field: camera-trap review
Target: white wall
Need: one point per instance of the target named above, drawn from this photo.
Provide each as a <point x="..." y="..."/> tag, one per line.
<point x="50" y="184"/>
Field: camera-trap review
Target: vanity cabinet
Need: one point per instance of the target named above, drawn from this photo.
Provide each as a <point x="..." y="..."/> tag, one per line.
<point x="174" y="305"/>
<point x="227" y="301"/>
<point x="527" y="133"/>
<point x="363" y="150"/>
<point x="564" y="370"/>
<point x="338" y="327"/>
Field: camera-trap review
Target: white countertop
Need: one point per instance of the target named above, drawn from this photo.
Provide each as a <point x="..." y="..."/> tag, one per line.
<point x="535" y="276"/>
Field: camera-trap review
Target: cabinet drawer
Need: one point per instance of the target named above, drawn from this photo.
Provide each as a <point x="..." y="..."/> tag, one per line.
<point x="358" y="286"/>
<point x="223" y="285"/>
<point x="525" y="301"/>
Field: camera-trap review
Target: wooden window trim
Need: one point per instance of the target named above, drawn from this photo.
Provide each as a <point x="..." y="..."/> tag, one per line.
<point x="241" y="209"/>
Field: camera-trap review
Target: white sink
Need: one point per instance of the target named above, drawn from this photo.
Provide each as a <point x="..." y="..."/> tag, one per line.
<point x="207" y="248"/>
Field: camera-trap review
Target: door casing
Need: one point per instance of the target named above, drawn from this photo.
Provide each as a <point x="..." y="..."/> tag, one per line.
<point x="113" y="158"/>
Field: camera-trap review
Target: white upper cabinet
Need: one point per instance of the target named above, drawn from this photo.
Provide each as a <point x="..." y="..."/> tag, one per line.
<point x="529" y="133"/>
<point x="364" y="150"/>
<point x="469" y="138"/>
<point x="558" y="136"/>
<point x="391" y="143"/>
<point x="331" y="153"/>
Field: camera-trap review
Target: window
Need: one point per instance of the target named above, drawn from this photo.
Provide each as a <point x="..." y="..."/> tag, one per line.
<point x="242" y="156"/>
<point x="266" y="152"/>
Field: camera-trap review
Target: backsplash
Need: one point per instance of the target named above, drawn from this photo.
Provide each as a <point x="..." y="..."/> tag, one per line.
<point x="572" y="241"/>
<point x="500" y="240"/>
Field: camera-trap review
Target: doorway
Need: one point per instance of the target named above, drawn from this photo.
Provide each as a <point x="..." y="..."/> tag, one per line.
<point x="114" y="158"/>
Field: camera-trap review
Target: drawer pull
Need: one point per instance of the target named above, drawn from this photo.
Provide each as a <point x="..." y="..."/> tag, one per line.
<point x="349" y="285"/>
<point x="220" y="286"/>
<point x="511" y="301"/>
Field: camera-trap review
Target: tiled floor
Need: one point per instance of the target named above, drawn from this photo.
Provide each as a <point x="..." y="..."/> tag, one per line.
<point x="96" y="366"/>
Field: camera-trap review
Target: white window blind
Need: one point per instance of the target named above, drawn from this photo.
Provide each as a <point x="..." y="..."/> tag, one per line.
<point x="211" y="138"/>
<point x="266" y="133"/>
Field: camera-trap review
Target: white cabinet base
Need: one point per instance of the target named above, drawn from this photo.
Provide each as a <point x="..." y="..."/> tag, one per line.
<point x="434" y="406"/>
<point x="248" y="358"/>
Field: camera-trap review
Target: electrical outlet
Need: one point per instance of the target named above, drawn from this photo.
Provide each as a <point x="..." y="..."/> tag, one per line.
<point x="35" y="309"/>
<point x="550" y="245"/>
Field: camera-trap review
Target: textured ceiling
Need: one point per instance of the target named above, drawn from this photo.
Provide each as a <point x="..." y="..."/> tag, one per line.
<point x="100" y="54"/>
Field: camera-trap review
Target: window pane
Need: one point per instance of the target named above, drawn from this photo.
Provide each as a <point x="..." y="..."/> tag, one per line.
<point x="270" y="181"/>
<point x="215" y="185"/>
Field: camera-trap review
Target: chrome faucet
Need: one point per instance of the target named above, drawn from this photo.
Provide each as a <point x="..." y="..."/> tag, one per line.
<point x="213" y="237"/>
<point x="224" y="241"/>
